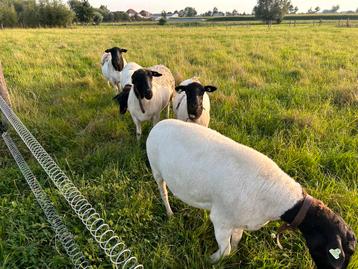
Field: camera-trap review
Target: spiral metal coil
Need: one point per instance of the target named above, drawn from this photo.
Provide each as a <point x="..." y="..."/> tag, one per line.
<point x="65" y="237"/>
<point x="112" y="245"/>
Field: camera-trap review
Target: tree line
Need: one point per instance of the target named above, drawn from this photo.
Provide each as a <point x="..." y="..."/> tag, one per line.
<point x="54" y="13"/>
<point x="32" y="13"/>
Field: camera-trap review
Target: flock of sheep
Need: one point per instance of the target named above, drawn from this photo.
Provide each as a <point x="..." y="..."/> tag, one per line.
<point x="242" y="188"/>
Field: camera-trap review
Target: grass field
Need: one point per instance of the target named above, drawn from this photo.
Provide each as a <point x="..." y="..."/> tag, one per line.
<point x="291" y="93"/>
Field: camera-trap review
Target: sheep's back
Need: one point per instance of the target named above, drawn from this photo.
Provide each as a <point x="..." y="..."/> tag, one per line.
<point x="166" y="80"/>
<point x="198" y="161"/>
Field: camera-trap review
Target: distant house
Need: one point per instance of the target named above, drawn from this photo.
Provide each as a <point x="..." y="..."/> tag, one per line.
<point x="156" y="16"/>
<point x="145" y="14"/>
<point x="175" y="15"/>
<point x="132" y="13"/>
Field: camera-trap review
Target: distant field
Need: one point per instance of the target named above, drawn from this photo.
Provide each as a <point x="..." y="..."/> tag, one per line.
<point x="298" y="17"/>
<point x="291" y="93"/>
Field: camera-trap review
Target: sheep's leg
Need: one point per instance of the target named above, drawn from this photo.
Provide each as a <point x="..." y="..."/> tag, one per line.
<point x="236" y="237"/>
<point x="164" y="194"/>
<point x="222" y="234"/>
<point x="156" y="119"/>
<point x="138" y="127"/>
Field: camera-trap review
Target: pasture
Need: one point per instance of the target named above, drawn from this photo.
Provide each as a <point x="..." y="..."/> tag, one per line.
<point x="289" y="92"/>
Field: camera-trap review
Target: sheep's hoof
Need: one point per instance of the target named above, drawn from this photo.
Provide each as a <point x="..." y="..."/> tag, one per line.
<point x="215" y="257"/>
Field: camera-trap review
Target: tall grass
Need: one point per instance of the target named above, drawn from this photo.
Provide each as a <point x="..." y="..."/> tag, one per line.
<point x="291" y="93"/>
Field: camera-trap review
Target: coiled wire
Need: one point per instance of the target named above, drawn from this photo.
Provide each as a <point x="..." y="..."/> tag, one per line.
<point x="61" y="231"/>
<point x="112" y="245"/>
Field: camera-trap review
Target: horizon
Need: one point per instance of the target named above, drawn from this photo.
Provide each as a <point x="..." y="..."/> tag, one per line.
<point x="201" y="6"/>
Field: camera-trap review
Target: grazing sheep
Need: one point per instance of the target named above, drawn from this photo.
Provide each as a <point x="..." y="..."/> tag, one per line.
<point x="243" y="189"/>
<point x="150" y="91"/>
<point x="192" y="103"/>
<point x="112" y="63"/>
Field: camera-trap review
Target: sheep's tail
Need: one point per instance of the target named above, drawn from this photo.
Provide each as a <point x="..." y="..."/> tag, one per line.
<point x="105" y="58"/>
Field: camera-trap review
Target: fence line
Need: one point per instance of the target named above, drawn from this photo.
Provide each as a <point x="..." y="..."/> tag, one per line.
<point x="112" y="245"/>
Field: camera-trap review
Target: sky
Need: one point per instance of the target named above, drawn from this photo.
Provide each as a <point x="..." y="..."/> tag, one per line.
<point x="156" y="6"/>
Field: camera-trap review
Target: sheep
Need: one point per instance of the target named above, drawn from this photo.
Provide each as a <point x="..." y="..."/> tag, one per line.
<point x="149" y="92"/>
<point x="112" y="63"/>
<point x="192" y="103"/>
<point x="243" y="189"/>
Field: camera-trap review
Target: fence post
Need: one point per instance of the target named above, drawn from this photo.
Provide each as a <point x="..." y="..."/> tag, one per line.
<point x="4" y="93"/>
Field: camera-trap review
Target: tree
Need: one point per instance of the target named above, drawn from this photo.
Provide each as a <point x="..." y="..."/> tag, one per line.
<point x="97" y="17"/>
<point x="207" y="14"/>
<point x="295" y="10"/>
<point x="234" y="12"/>
<point x="162" y="21"/>
<point x="317" y="9"/>
<point x="181" y="13"/>
<point x="335" y="8"/>
<point x="189" y="12"/>
<point x="30" y="16"/>
<point x="105" y="12"/>
<point x="120" y="16"/>
<point x="164" y="14"/>
<point x="83" y="10"/>
<point x="215" y="10"/>
<point x="54" y="13"/>
<point x="272" y="10"/>
<point x="8" y="15"/>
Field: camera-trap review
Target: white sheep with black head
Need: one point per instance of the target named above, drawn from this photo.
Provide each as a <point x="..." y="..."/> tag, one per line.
<point x="149" y="92"/>
<point x="243" y="189"/>
<point x="112" y="64"/>
<point x="192" y="103"/>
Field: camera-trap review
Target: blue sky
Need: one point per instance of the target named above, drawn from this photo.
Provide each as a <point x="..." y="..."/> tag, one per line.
<point x="204" y="5"/>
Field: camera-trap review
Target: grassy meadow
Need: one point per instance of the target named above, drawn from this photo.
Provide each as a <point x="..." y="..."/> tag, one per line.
<point x="289" y="92"/>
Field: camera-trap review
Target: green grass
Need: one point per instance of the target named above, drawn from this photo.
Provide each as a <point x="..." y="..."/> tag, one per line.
<point x="291" y="93"/>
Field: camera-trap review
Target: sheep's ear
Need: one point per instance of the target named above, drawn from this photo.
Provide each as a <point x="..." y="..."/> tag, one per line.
<point x="123" y="50"/>
<point x="108" y="50"/>
<point x="179" y="89"/>
<point x="210" y="88"/>
<point x="156" y="74"/>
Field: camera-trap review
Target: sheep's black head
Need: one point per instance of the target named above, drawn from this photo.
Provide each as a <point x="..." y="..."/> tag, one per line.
<point x="122" y="99"/>
<point x="142" y="83"/>
<point x="194" y="97"/>
<point x="117" y="58"/>
<point x="330" y="241"/>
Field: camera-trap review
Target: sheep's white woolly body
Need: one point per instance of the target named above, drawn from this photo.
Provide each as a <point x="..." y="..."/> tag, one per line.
<point x="163" y="89"/>
<point x="113" y="76"/>
<point x="127" y="72"/>
<point x="241" y="187"/>
<point x="180" y="106"/>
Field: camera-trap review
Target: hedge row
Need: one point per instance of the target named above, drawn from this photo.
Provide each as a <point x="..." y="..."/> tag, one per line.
<point x="293" y="17"/>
